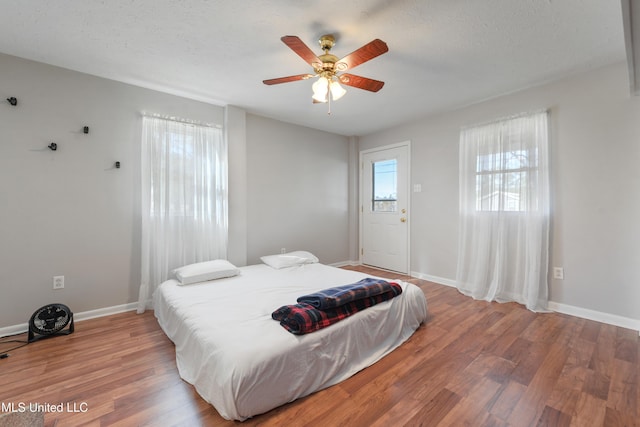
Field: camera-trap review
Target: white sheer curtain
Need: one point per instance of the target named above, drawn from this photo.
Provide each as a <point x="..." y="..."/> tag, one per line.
<point x="184" y="199"/>
<point x="504" y="211"/>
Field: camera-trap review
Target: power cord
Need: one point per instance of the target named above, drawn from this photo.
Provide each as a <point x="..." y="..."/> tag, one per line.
<point x="5" y="353"/>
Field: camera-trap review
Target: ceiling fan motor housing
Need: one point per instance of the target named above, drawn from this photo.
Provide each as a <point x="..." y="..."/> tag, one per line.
<point x="327" y="42"/>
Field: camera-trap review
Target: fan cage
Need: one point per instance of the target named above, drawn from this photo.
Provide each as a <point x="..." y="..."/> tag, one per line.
<point x="50" y="320"/>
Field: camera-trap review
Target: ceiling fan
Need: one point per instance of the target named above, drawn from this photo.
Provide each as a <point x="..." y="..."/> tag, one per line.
<point x="327" y="66"/>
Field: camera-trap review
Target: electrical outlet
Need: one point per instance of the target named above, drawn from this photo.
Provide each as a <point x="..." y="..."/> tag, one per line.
<point x="58" y="282"/>
<point x="283" y="250"/>
<point x="558" y="273"/>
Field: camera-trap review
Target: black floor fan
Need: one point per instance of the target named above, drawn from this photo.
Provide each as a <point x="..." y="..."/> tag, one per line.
<point x="49" y="321"/>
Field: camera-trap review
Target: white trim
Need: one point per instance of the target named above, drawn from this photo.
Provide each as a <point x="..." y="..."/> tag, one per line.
<point x="584" y="313"/>
<point x="434" y="279"/>
<point x="598" y="316"/>
<point x="345" y="263"/>
<point x="77" y="317"/>
<point x="14" y="330"/>
<point x="107" y="311"/>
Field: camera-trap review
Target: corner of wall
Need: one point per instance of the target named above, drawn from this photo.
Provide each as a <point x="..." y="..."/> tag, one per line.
<point x="235" y="128"/>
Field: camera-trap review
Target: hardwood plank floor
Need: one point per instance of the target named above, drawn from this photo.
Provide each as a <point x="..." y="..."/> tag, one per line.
<point x="473" y="363"/>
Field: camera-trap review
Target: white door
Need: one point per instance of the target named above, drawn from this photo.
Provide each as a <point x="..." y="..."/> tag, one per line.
<point x="384" y="207"/>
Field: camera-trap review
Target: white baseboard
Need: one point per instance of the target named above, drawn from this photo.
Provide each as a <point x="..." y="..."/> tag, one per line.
<point x="584" y="313"/>
<point x="345" y="263"/>
<point x="77" y="317"/>
<point x="434" y="279"/>
<point x="13" y="330"/>
<point x="101" y="312"/>
<point x="598" y="316"/>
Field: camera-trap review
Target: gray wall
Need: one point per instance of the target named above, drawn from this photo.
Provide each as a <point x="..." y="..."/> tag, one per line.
<point x="298" y="186"/>
<point x="595" y="153"/>
<point x="236" y="134"/>
<point x="71" y="213"/>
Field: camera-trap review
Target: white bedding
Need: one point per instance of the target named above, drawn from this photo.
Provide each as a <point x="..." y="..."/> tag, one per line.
<point x="244" y="363"/>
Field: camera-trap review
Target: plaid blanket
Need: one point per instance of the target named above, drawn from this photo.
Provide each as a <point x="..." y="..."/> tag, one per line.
<point x="341" y="295"/>
<point x="304" y="318"/>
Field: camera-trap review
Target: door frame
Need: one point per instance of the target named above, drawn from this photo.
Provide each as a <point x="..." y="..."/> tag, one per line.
<point x="361" y="197"/>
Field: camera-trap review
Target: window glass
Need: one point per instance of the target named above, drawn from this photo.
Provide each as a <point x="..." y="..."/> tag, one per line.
<point x="385" y="186"/>
<point x="503" y="180"/>
<point x="183" y="170"/>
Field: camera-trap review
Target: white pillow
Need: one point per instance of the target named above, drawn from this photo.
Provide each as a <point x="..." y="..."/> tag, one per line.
<point x="203" y="271"/>
<point x="289" y="259"/>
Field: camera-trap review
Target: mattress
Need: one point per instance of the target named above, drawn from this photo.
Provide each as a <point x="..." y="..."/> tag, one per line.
<point x="244" y="363"/>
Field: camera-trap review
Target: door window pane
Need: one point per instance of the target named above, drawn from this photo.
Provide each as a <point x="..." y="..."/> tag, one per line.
<point x="385" y="186"/>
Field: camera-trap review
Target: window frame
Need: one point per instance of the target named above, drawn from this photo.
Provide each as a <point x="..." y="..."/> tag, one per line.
<point x="376" y="200"/>
<point x="501" y="173"/>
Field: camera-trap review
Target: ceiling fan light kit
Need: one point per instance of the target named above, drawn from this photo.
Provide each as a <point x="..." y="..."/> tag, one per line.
<point x="325" y="86"/>
<point x="327" y="66"/>
<point x="337" y="91"/>
<point x="320" y="88"/>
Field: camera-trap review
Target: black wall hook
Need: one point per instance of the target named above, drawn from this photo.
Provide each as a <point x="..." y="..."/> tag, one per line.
<point x="117" y="165"/>
<point x="53" y="146"/>
<point x="13" y="101"/>
<point x="85" y="129"/>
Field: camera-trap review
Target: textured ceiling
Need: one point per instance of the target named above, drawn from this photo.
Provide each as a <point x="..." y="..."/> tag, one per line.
<point x="442" y="54"/>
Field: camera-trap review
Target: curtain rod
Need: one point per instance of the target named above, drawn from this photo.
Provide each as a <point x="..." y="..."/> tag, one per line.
<point x="180" y="120"/>
<point x="503" y="119"/>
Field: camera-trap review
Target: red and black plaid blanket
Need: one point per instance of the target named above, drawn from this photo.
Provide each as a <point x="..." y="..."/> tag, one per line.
<point x="304" y="318"/>
<point x="341" y="295"/>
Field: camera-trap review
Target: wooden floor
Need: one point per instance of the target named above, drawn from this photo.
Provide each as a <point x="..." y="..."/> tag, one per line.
<point x="472" y="364"/>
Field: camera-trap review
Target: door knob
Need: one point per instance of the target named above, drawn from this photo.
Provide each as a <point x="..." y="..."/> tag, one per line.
<point x="403" y="219"/>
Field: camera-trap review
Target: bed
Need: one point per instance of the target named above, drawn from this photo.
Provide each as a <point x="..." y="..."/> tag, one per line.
<point x="245" y="363"/>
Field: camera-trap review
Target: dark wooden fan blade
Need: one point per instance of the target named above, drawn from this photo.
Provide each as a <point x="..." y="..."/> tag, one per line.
<point x="287" y="79"/>
<point x="361" y="82"/>
<point x="367" y="52"/>
<point x="301" y="49"/>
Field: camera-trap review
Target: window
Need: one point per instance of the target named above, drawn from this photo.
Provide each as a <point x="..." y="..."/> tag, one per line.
<point x="184" y="171"/>
<point x="184" y="198"/>
<point x="502" y="180"/>
<point x="385" y="186"/>
<point x="503" y="242"/>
